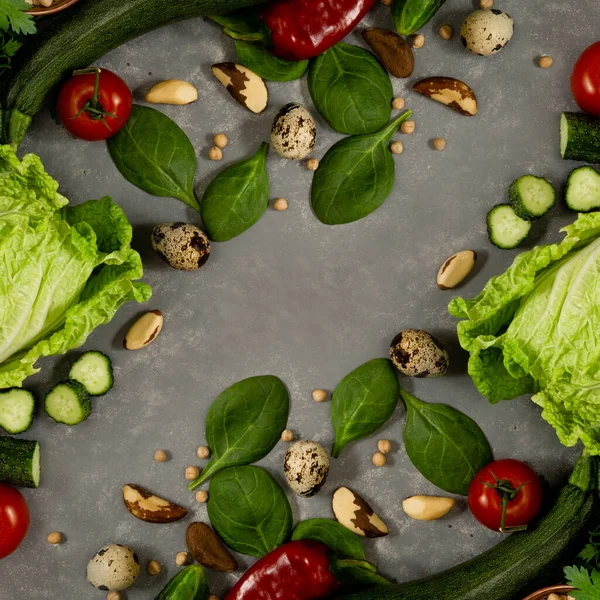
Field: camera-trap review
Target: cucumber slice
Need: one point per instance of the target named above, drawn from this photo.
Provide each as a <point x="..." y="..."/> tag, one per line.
<point x="16" y="410"/>
<point x="580" y="137"/>
<point x="68" y="402"/>
<point x="94" y="371"/>
<point x="20" y="462"/>
<point x="505" y="228"/>
<point x="531" y="197"/>
<point x="583" y="189"/>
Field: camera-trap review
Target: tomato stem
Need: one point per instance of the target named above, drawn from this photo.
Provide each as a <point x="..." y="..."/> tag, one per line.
<point x="507" y="494"/>
<point x="93" y="107"/>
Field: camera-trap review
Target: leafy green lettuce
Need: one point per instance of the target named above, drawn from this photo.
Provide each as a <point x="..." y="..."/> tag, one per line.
<point x="64" y="270"/>
<point x="535" y="329"/>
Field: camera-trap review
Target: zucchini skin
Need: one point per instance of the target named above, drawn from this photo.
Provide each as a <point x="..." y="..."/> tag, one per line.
<point x="78" y="38"/>
<point x="410" y="15"/>
<point x="580" y="137"/>
<point x="16" y="462"/>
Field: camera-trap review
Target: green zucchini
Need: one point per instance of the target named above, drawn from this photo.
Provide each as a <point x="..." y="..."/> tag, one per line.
<point x="189" y="584"/>
<point x="524" y="561"/>
<point x="79" y="37"/>
<point x="580" y="137"/>
<point x="531" y="197"/>
<point x="410" y="15"/>
<point x="583" y="189"/>
<point x="20" y="462"/>
<point x="17" y="407"/>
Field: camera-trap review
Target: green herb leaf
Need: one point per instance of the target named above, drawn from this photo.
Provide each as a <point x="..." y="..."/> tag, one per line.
<point x="446" y="446"/>
<point x="244" y="423"/>
<point x="355" y="176"/>
<point x="363" y="401"/>
<point x="13" y="16"/>
<point x="587" y="583"/>
<point x="257" y="58"/>
<point x="153" y="153"/>
<point x="341" y="540"/>
<point x="236" y="198"/>
<point x="249" y="510"/>
<point x="350" y="89"/>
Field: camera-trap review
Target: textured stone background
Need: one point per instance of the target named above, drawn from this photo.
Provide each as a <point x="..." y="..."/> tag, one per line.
<point x="299" y="299"/>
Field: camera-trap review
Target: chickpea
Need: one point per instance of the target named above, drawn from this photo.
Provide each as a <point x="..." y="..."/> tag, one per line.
<point x="396" y="147"/>
<point x="446" y="32"/>
<point x="182" y="558"/>
<point x="384" y="446"/>
<point x="220" y="140"/>
<point x="545" y="62"/>
<point x="55" y="538"/>
<point x="287" y="435"/>
<point x="418" y="41"/>
<point x="154" y="567"/>
<point x="379" y="459"/>
<point x="408" y="127"/>
<point x="319" y="395"/>
<point x="191" y="473"/>
<point x="203" y="452"/>
<point x="312" y="164"/>
<point x="113" y="596"/>
<point x="397" y="103"/>
<point x="280" y="204"/>
<point x="215" y="153"/>
<point x="439" y="143"/>
<point x="486" y="3"/>
<point x="201" y="496"/>
<point x="160" y="456"/>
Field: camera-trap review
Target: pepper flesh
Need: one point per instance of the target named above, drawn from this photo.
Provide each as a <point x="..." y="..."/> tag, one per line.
<point x="302" y="29"/>
<point x="295" y="571"/>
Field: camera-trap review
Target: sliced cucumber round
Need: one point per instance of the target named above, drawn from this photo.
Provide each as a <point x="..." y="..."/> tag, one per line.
<point x="505" y="228"/>
<point x="94" y="371"/>
<point x="68" y="402"/>
<point x="531" y="197"/>
<point x="583" y="189"/>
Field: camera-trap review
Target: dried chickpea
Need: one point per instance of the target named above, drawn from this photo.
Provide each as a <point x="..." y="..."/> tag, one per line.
<point x="418" y="41"/>
<point x="408" y="127"/>
<point x="215" y="153"/>
<point x="439" y="143"/>
<point x="379" y="459"/>
<point x="386" y="2"/>
<point x="55" y="537"/>
<point x="191" y="473"/>
<point x="113" y="596"/>
<point x="446" y="32"/>
<point x="319" y="395"/>
<point x="220" y="140"/>
<point x="312" y="164"/>
<point x="160" y="456"/>
<point x="182" y="558"/>
<point x="384" y="446"/>
<point x="397" y="103"/>
<point x="201" y="496"/>
<point x="287" y="435"/>
<point x="396" y="147"/>
<point x="280" y="204"/>
<point x="545" y="62"/>
<point x="203" y="452"/>
<point x="154" y="567"/>
<point x="486" y="3"/>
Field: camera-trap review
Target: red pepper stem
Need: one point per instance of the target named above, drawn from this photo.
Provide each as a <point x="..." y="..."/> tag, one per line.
<point x="354" y="573"/>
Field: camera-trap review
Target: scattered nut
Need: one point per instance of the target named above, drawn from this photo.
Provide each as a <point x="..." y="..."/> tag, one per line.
<point x="379" y="459"/>
<point x="545" y="62"/>
<point x="306" y="466"/>
<point x="206" y="548"/>
<point x="113" y="596"/>
<point x="280" y="204"/>
<point x="312" y="164"/>
<point x="446" y="32"/>
<point x="220" y="140"/>
<point x="201" y="496"/>
<point x="55" y="537"/>
<point x="215" y="153"/>
<point x="449" y="91"/>
<point x="392" y="50"/>
<point x="386" y="2"/>
<point x="172" y="91"/>
<point x="183" y="246"/>
<point x="144" y="330"/>
<point x="439" y="143"/>
<point x="455" y="269"/>
<point x="418" y="41"/>
<point x="396" y="147"/>
<point x="182" y="558"/>
<point x="150" y="508"/>
<point x="203" y="452"/>
<point x="356" y="515"/>
<point x="397" y="103"/>
<point x="408" y="127"/>
<point x="319" y="395"/>
<point x="287" y="435"/>
<point x="244" y="85"/>
<point x="427" y="508"/>
<point x="191" y="472"/>
<point x="154" y="567"/>
<point x="415" y="353"/>
<point x="294" y="132"/>
<point x="160" y="456"/>
<point x="486" y="3"/>
<point x="384" y="446"/>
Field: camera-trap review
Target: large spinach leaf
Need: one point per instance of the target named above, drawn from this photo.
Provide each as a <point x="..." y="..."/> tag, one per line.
<point x="341" y="540"/>
<point x="257" y="58"/>
<point x="350" y="89"/>
<point x="355" y="177"/>
<point x="445" y="445"/>
<point x="249" y="510"/>
<point x="363" y="401"/>
<point x="236" y="198"/>
<point x="154" y="154"/>
<point x="244" y="423"/>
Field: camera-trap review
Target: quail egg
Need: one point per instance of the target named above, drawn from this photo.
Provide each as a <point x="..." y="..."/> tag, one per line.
<point x="306" y="467"/>
<point x="486" y="31"/>
<point x="415" y="353"/>
<point x="294" y="132"/>
<point x="183" y="245"/>
<point x="113" y="568"/>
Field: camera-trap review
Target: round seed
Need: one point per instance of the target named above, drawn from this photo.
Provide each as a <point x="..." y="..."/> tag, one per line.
<point x="396" y="147"/>
<point x="386" y="2"/>
<point x="545" y="62"/>
<point x="446" y="32"/>
<point x="408" y="127"/>
<point x="439" y="143"/>
<point x="55" y="537"/>
<point x="160" y="456"/>
<point x="191" y="473"/>
<point x="486" y="3"/>
<point x="220" y="140"/>
<point x="379" y="459"/>
<point x="319" y="395"/>
<point x="203" y="452"/>
<point x="182" y="558"/>
<point x="280" y="204"/>
<point x="201" y="496"/>
<point x="312" y="164"/>
<point x="384" y="446"/>
<point x="154" y="567"/>
<point x="418" y="41"/>
<point x="287" y="435"/>
<point x="215" y="153"/>
<point x="397" y="103"/>
<point x="113" y="596"/>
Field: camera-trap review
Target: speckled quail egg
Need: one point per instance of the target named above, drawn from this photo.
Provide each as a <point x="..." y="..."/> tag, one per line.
<point x="415" y="353"/>
<point x="306" y="467"/>
<point x="183" y="245"/>
<point x="113" y="568"/>
<point x="486" y="31"/>
<point x="294" y="132"/>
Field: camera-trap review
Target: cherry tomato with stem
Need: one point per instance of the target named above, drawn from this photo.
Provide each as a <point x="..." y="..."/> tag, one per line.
<point x="14" y="519"/>
<point x="506" y="495"/>
<point x="94" y="104"/>
<point x="585" y="80"/>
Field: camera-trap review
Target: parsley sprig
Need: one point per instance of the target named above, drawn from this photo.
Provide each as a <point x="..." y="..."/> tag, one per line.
<point x="586" y="579"/>
<point x="15" y="23"/>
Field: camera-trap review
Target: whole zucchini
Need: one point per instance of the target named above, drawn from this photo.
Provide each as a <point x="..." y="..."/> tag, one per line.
<point x="189" y="584"/>
<point x="79" y="37"/>
<point x="410" y="15"/>
<point x="522" y="562"/>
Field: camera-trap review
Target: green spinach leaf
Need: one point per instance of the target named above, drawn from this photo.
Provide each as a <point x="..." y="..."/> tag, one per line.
<point x="249" y="510"/>
<point x="445" y="445"/>
<point x="350" y="89"/>
<point x="363" y="401"/>
<point x="355" y="177"/>
<point x="257" y="58"/>
<point x="154" y="154"/>
<point x="244" y="423"/>
<point x="341" y="540"/>
<point x="236" y="198"/>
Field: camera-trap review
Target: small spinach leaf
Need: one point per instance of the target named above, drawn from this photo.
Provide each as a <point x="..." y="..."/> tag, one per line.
<point x="341" y="540"/>
<point x="257" y="58"/>
<point x="154" y="154"/>
<point x="236" y="198"/>
<point x="446" y="446"/>
<point x="350" y="89"/>
<point x="249" y="510"/>
<point x="355" y="176"/>
<point x="244" y="423"/>
<point x="363" y="401"/>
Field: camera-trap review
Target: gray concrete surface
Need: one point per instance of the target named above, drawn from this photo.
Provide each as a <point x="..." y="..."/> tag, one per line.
<point x="299" y="299"/>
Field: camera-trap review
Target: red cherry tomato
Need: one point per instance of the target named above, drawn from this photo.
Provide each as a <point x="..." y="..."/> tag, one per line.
<point x="505" y="485"/>
<point x="14" y="519"/>
<point x="94" y="104"/>
<point x="585" y="80"/>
